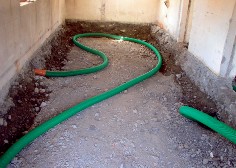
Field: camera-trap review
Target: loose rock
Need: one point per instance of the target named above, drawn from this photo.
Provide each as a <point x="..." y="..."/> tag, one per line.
<point x="42" y="90"/>
<point x="36" y="90"/>
<point x="92" y="127"/>
<point x="43" y="104"/>
<point x="4" y="123"/>
<point x="97" y="117"/>
<point x="74" y="126"/>
<point x="135" y="111"/>
<point x="211" y="155"/>
<point x="1" y="121"/>
<point x="193" y="155"/>
<point x="36" y="109"/>
<point x="205" y="161"/>
<point x="198" y="151"/>
<point x="94" y="76"/>
<point x="178" y="76"/>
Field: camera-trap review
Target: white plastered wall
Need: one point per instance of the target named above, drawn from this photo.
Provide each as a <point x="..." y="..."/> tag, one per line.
<point x="23" y="29"/>
<point x="210" y="26"/>
<point x="169" y="16"/>
<point x="189" y="21"/>
<point x="133" y="11"/>
<point x="228" y="64"/>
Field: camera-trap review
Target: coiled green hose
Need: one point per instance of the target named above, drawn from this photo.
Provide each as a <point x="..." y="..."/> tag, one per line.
<point x="41" y="129"/>
<point x="210" y="122"/>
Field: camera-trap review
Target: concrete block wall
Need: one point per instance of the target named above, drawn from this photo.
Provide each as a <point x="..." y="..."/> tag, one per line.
<point x="23" y="29"/>
<point x="133" y="11"/>
<point x="210" y="26"/>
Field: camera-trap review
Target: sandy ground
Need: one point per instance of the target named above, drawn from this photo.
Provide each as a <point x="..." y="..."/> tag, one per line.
<point x="140" y="127"/>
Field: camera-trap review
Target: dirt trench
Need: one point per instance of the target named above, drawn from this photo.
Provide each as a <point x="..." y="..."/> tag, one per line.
<point x="29" y="94"/>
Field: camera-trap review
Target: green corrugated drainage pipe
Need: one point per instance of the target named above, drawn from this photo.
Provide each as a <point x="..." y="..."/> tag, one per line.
<point x="41" y="129"/>
<point x="234" y="88"/>
<point x="234" y="84"/>
<point x="220" y="127"/>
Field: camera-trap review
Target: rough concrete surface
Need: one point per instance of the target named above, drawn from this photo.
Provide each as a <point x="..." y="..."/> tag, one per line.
<point x="140" y="127"/>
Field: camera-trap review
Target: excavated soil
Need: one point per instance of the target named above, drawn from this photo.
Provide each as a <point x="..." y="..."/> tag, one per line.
<point x="138" y="128"/>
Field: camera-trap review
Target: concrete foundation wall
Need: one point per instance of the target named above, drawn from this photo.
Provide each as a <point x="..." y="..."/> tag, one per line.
<point x="189" y="21"/>
<point x="207" y="25"/>
<point x="166" y="13"/>
<point x="23" y="29"/>
<point x="168" y="16"/>
<point x="232" y="72"/>
<point x="210" y="26"/>
<point x="134" y="11"/>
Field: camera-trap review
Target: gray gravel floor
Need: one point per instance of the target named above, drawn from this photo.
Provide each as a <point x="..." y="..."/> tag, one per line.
<point x="140" y="127"/>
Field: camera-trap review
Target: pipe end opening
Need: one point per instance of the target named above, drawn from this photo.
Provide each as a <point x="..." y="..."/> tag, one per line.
<point x="40" y="72"/>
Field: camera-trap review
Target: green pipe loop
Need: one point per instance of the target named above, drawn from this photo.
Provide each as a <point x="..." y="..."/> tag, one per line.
<point x="216" y="125"/>
<point x="91" y="50"/>
<point x="41" y="129"/>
